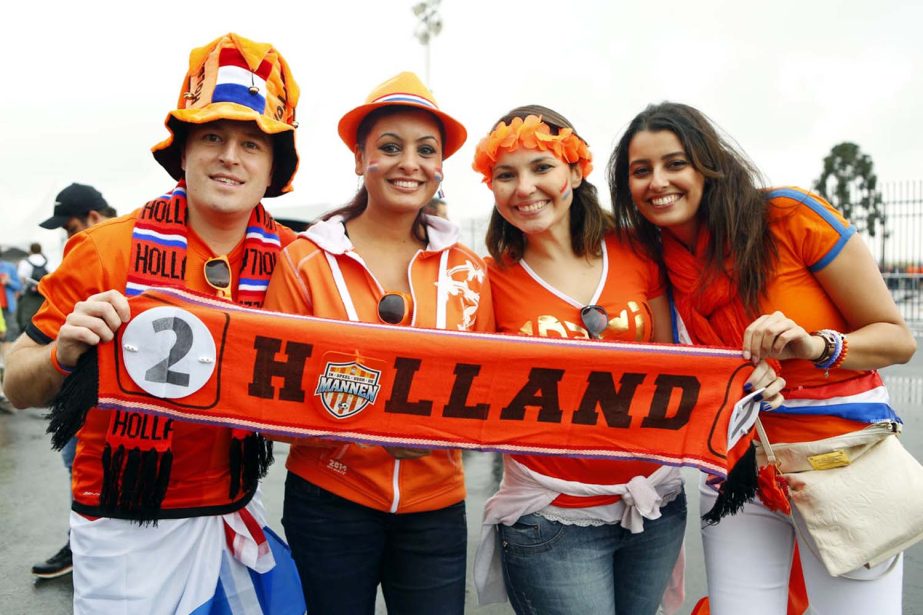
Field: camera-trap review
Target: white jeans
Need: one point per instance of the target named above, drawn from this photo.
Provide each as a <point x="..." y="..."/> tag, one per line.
<point x="748" y="560"/>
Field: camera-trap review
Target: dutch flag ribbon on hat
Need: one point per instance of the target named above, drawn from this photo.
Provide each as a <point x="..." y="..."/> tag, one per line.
<point x="402" y="97"/>
<point x="237" y="83"/>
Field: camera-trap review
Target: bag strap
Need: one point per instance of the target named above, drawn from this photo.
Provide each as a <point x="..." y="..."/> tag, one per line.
<point x="764" y="442"/>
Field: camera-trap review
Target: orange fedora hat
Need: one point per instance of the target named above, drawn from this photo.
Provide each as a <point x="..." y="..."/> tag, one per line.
<point x="403" y="90"/>
<point x="234" y="78"/>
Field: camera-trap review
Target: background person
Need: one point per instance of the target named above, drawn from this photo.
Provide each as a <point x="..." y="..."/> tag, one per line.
<point x="437" y="207"/>
<point x="30" y="270"/>
<point x="9" y="279"/>
<point x="10" y="286"/>
<point x="77" y="207"/>
<point x="231" y="143"/>
<point x="359" y="516"/>
<point x="760" y="270"/>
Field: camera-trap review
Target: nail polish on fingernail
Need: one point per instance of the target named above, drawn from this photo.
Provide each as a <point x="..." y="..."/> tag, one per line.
<point x="765" y="406"/>
<point x="748" y="387"/>
<point x="758" y="397"/>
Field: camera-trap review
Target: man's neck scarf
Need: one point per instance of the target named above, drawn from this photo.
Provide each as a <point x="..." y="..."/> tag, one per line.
<point x="400" y="386"/>
<point x="136" y="471"/>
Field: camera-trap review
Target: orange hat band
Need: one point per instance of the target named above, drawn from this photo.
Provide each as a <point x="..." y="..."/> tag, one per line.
<point x="411" y="99"/>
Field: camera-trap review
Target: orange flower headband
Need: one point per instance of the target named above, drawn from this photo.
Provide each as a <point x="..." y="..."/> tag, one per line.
<point x="530" y="133"/>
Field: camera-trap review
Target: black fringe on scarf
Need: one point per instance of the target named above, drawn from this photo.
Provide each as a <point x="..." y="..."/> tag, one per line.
<point x="135" y="483"/>
<point x="739" y="488"/>
<point x="79" y="393"/>
<point x="250" y="459"/>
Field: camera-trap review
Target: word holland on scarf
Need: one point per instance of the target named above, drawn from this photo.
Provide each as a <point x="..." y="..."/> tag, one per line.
<point x="189" y="357"/>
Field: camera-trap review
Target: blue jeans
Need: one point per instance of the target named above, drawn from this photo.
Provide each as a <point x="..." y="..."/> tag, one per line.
<point x="552" y="568"/>
<point x="343" y="550"/>
<point x="68" y="453"/>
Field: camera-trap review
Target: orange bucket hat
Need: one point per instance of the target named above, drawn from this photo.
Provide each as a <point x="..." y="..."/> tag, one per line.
<point x="403" y="90"/>
<point x="233" y="78"/>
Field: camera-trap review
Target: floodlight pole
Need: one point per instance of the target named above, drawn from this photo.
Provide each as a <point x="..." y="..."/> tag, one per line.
<point x="430" y="25"/>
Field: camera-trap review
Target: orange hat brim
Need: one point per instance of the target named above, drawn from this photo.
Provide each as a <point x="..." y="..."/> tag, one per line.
<point x="455" y="133"/>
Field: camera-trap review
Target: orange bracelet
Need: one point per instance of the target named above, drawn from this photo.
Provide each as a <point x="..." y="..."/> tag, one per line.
<point x="64" y="371"/>
<point x="842" y="357"/>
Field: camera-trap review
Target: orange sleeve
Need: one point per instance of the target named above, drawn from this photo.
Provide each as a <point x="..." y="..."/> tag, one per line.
<point x="485" y="321"/>
<point x="288" y="292"/>
<point x="80" y="275"/>
<point x="813" y="227"/>
<point x="286" y="235"/>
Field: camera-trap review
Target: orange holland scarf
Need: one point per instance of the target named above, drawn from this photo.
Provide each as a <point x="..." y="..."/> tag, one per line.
<point x="379" y="384"/>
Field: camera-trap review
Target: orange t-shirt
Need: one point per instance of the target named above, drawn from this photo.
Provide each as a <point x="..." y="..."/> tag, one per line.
<point x="526" y="304"/>
<point x="809" y="233"/>
<point x="96" y="260"/>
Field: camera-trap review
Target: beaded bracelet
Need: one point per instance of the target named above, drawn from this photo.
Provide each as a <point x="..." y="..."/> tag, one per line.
<point x="61" y="369"/>
<point x="845" y="351"/>
<point x="829" y="338"/>
<point x="833" y="352"/>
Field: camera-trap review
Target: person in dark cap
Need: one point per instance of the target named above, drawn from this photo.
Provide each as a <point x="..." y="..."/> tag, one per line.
<point x="78" y="207"/>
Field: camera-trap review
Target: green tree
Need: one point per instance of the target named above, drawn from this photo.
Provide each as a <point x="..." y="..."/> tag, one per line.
<point x="849" y="182"/>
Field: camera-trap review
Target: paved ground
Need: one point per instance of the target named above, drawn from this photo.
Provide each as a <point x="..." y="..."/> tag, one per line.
<point x="34" y="501"/>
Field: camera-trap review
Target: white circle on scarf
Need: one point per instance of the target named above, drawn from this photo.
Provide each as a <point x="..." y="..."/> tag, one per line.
<point x="168" y="352"/>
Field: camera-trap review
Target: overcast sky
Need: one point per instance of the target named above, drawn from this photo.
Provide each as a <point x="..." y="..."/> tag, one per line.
<point x="87" y="84"/>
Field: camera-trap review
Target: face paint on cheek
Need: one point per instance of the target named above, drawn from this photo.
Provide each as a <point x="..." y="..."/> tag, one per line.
<point x="437" y="175"/>
<point x="373" y="167"/>
<point x="565" y="190"/>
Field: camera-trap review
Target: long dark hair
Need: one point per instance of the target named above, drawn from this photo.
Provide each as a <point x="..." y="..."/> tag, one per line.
<point x="360" y="200"/>
<point x="734" y="207"/>
<point x="589" y="222"/>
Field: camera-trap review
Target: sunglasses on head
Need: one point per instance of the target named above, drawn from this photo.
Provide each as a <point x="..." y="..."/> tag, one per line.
<point x="395" y="308"/>
<point x="595" y="320"/>
<point x="218" y="275"/>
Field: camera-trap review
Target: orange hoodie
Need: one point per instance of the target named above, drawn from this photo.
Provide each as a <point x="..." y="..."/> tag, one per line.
<point x="320" y="274"/>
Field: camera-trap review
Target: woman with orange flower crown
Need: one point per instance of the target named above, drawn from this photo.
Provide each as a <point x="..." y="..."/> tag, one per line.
<point x="359" y="516"/>
<point x="574" y="535"/>
<point x="780" y="274"/>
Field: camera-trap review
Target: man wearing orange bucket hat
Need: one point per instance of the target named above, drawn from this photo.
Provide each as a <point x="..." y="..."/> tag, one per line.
<point x="166" y="516"/>
<point x="362" y="516"/>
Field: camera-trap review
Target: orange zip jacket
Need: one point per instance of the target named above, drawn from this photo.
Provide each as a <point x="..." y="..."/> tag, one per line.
<point x="320" y="274"/>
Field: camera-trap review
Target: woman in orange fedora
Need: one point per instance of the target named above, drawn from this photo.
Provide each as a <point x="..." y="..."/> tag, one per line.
<point x="359" y="516"/>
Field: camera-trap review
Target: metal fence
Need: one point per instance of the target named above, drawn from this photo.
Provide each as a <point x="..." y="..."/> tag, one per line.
<point x="899" y="248"/>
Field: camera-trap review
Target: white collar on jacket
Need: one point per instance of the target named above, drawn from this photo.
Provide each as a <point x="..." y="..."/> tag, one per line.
<point x="330" y="235"/>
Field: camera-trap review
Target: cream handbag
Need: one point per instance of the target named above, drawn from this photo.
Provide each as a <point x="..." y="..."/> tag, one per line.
<point x="857" y="498"/>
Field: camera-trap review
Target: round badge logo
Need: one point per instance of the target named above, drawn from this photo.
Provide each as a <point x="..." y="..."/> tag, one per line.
<point x="168" y="352"/>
